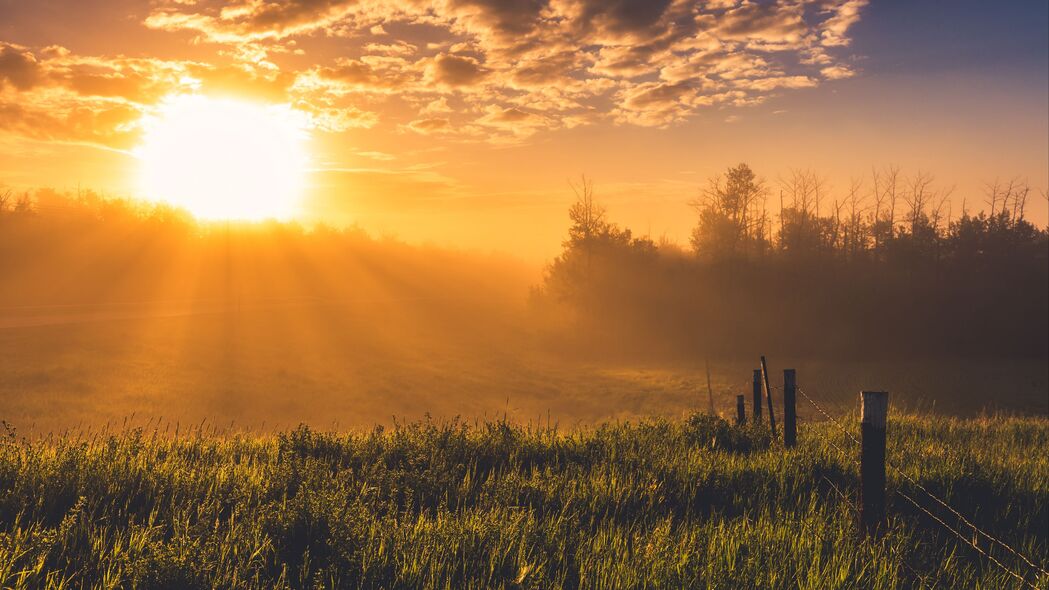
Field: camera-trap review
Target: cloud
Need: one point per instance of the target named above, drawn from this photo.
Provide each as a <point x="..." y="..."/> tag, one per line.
<point x="430" y="125"/>
<point x="56" y="95"/>
<point x="836" y="28"/>
<point x="552" y="68"/>
<point x="456" y="70"/>
<point x="18" y="67"/>
<point x="757" y="24"/>
<point x="400" y="48"/>
<point x="249" y="20"/>
<point x="371" y="73"/>
<point x="460" y="69"/>
<point x="656" y="104"/>
<point x="503" y="23"/>
<point x="655" y="95"/>
<point x="100" y="124"/>
<point x="837" y="72"/>
<point x="437" y="105"/>
<point x="511" y="123"/>
<point x="635" y="19"/>
<point x="336" y="119"/>
<point x="510" y="116"/>
<point x="772" y="83"/>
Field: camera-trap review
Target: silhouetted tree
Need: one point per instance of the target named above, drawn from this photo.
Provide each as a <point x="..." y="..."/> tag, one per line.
<point x="732" y="217"/>
<point x="899" y="276"/>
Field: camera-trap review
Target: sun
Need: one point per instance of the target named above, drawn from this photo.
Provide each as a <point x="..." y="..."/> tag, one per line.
<point x="224" y="159"/>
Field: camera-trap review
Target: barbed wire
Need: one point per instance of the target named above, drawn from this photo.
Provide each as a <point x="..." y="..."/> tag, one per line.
<point x="828" y="416"/>
<point x="845" y="499"/>
<point x="812" y="529"/>
<point x="837" y="406"/>
<point x="966" y="521"/>
<point x="937" y="499"/>
<point x="970" y="542"/>
<point x="848" y="503"/>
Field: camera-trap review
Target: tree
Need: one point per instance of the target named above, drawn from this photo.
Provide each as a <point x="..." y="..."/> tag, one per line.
<point x="802" y="231"/>
<point x="732" y="217"/>
<point x="587" y="216"/>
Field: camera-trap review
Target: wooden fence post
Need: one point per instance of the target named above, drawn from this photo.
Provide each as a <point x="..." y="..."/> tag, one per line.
<point x="741" y="410"/>
<point x="790" y="410"/>
<point x="874" y="410"/>
<point x="710" y="390"/>
<point x="757" y="396"/>
<point x="768" y="395"/>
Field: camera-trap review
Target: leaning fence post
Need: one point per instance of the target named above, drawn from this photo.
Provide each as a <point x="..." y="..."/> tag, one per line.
<point x="874" y="410"/>
<point x="710" y="390"/>
<point x="741" y="410"/>
<point x="757" y="396"/>
<point x="768" y="396"/>
<point x="790" y="410"/>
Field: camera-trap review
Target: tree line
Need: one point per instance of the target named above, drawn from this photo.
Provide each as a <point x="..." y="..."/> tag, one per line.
<point x="884" y="268"/>
<point x="60" y="249"/>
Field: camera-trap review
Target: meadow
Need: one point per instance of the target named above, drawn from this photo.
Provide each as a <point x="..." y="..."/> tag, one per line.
<point x="111" y="309"/>
<point x="695" y="502"/>
<point x="347" y="365"/>
<point x="267" y="407"/>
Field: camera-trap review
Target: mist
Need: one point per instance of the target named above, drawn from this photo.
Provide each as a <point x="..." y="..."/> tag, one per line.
<point x="114" y="310"/>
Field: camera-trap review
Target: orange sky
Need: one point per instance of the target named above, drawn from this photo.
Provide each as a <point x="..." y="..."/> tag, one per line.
<point x="461" y="121"/>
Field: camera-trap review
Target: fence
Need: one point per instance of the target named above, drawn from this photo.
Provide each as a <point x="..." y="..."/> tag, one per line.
<point x="874" y="465"/>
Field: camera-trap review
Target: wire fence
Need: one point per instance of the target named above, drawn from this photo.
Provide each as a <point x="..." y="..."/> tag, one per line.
<point x="920" y="578"/>
<point x="977" y="531"/>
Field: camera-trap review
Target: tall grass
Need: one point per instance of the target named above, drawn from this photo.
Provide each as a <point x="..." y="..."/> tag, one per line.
<point x="656" y="504"/>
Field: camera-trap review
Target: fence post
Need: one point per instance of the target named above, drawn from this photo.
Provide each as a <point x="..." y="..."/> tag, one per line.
<point x="768" y="395"/>
<point x="874" y="410"/>
<point x="757" y="396"/>
<point x="741" y="410"/>
<point x="790" y="409"/>
<point x="710" y="390"/>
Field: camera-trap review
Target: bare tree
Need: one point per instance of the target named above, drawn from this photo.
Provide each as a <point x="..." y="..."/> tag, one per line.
<point x="588" y="217"/>
<point x="886" y="193"/>
<point x="1020" y="194"/>
<point x="892" y="188"/>
<point x="855" y="239"/>
<point x="992" y="190"/>
<point x="939" y="219"/>
<point x="879" y="199"/>
<point x="918" y="197"/>
<point x="800" y="222"/>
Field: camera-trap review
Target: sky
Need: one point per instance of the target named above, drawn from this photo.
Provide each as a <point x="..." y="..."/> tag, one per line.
<point x="463" y="122"/>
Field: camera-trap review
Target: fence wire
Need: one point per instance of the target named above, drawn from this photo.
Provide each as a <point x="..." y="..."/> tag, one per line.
<point x="968" y="541"/>
<point x="847" y="502"/>
<point x="938" y="500"/>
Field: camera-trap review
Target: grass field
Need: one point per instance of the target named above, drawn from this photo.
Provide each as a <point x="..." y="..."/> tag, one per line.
<point x="357" y="366"/>
<point x="652" y="504"/>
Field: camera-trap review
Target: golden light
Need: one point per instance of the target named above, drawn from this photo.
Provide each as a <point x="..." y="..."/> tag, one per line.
<point x="224" y="159"/>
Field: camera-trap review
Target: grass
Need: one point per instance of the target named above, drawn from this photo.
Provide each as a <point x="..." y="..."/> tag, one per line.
<point x="651" y="504"/>
<point x="356" y="367"/>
